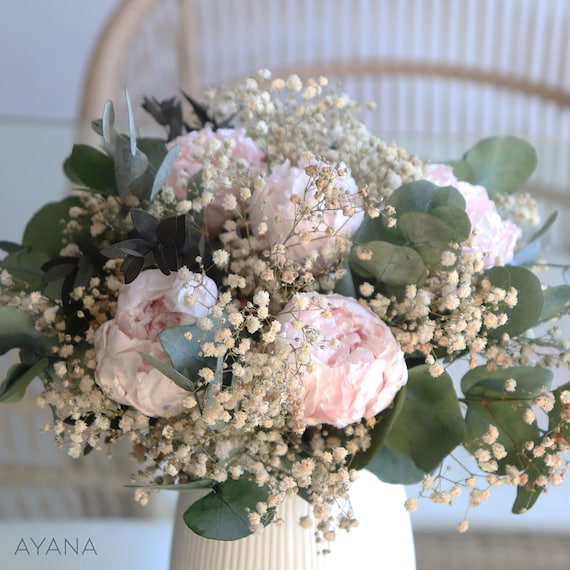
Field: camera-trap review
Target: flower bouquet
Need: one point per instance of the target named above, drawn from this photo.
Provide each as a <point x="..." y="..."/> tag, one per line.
<point x="271" y="298"/>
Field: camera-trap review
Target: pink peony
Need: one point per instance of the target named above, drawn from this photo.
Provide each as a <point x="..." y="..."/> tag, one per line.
<point x="324" y="234"/>
<point x="496" y="238"/>
<point x="151" y="303"/>
<point x="359" y="374"/>
<point x="207" y="146"/>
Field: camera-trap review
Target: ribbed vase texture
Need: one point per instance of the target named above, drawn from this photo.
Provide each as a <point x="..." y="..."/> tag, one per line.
<point x="383" y="539"/>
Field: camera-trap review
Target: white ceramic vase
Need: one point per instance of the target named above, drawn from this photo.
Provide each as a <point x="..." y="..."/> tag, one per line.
<point x="383" y="539"/>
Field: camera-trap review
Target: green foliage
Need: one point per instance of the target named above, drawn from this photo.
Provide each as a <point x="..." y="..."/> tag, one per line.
<point x="384" y="422"/>
<point x="223" y="513"/>
<point x="183" y="344"/>
<point x="170" y="372"/>
<point x="482" y="383"/>
<point x="44" y="231"/>
<point x="25" y="266"/>
<point x="126" y="166"/>
<point x="395" y="468"/>
<point x="556" y="302"/>
<point x="500" y="164"/>
<point x="526" y="313"/>
<point x="18" y="378"/>
<point x="429" y="425"/>
<point x="489" y="403"/>
<point x="163" y="170"/>
<point x="392" y="265"/>
<point x="163" y="243"/>
<point x="429" y="219"/>
<point x="92" y="169"/>
<point x="18" y="331"/>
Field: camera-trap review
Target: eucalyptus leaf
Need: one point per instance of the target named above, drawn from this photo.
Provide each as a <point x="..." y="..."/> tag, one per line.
<point x="130" y="168"/>
<point x="104" y="127"/>
<point x="393" y="265"/>
<point x="429" y="235"/>
<point x="183" y="344"/>
<point x="489" y="403"/>
<point x="394" y="468"/>
<point x="223" y="513"/>
<point x="556" y="302"/>
<point x="108" y="132"/>
<point x="424" y="196"/>
<point x="557" y="417"/>
<point x="18" y="378"/>
<point x="501" y="164"/>
<point x="424" y="230"/>
<point x="462" y="170"/>
<point x="131" y="267"/>
<point x="430" y="424"/>
<point x="526" y="498"/>
<point x="456" y="219"/>
<point x="145" y="224"/>
<point x="482" y="382"/>
<point x="154" y="149"/>
<point x="508" y="417"/>
<point x="384" y="422"/>
<point x="374" y="229"/>
<point x="526" y="313"/>
<point x="18" y="331"/>
<point x="164" y="171"/>
<point x="132" y="129"/>
<point x="10" y="246"/>
<point x="25" y="267"/>
<point x="178" y="378"/>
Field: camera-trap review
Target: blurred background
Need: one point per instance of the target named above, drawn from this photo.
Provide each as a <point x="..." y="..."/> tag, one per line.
<point x="444" y="73"/>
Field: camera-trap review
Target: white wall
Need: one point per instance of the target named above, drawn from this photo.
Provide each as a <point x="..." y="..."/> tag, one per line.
<point x="44" y="50"/>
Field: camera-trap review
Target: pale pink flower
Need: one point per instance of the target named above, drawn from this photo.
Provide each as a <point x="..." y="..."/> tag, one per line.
<point x="322" y="234"/>
<point x="206" y="145"/>
<point x="145" y="307"/>
<point x="495" y="238"/>
<point x="358" y="374"/>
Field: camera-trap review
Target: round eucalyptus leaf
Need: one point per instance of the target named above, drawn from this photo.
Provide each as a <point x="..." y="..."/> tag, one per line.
<point x="394" y="468"/>
<point x="428" y="235"/>
<point x="514" y="431"/>
<point x="25" y="267"/>
<point x="430" y="424"/>
<point x="482" y="382"/>
<point x="393" y="265"/>
<point x="424" y="196"/>
<point x="223" y="513"/>
<point x="462" y="170"/>
<point x="502" y="164"/>
<point x="526" y="313"/>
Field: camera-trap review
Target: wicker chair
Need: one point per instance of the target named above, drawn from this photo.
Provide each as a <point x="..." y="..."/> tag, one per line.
<point x="443" y="66"/>
<point x="444" y="73"/>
